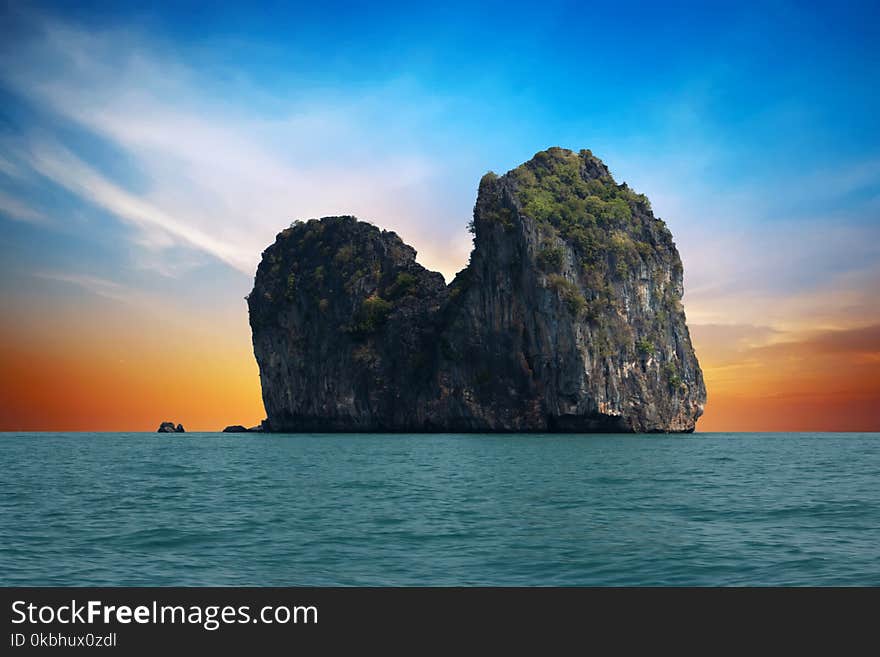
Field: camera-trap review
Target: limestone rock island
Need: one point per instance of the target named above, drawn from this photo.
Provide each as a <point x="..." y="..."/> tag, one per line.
<point x="568" y="317"/>
<point x="169" y="427"/>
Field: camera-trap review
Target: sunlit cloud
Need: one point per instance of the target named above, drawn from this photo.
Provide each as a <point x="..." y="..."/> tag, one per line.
<point x="843" y="300"/>
<point x="62" y="167"/>
<point x="822" y="380"/>
<point x="215" y="175"/>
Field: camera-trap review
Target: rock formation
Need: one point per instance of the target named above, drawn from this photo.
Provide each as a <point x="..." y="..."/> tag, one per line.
<point x="567" y="318"/>
<point x="168" y="427"/>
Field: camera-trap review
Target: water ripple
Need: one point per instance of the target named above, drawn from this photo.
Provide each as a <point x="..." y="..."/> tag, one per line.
<point x="213" y="509"/>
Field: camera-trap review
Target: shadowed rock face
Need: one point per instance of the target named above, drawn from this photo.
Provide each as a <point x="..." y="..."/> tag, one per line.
<point x="567" y="318"/>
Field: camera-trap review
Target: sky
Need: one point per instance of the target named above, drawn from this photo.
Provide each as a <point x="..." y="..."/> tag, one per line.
<point x="149" y="152"/>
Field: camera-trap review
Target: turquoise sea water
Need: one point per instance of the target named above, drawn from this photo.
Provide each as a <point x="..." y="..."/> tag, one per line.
<point x="215" y="509"/>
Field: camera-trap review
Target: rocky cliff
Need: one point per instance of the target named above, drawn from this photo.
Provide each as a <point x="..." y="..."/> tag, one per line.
<point x="567" y="318"/>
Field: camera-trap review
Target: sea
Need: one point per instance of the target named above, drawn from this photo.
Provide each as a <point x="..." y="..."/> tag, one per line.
<point x="193" y="509"/>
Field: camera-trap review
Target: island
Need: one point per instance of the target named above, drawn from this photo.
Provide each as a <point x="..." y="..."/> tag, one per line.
<point x="169" y="427"/>
<point x="567" y="318"/>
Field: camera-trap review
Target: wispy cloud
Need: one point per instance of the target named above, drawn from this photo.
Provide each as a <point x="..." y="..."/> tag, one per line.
<point x="218" y="174"/>
<point x="16" y="209"/>
<point x="94" y="284"/>
<point x="9" y="169"/>
<point x="61" y="166"/>
<point x="773" y="251"/>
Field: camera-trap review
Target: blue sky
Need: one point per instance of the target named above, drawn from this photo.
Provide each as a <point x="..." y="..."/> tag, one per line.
<point x="149" y="154"/>
<point x="741" y="101"/>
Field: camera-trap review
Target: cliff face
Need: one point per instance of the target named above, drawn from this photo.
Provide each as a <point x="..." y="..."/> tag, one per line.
<point x="568" y="317"/>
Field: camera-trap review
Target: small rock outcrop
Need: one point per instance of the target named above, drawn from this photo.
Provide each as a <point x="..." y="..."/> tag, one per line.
<point x="238" y="428"/>
<point x="567" y="318"/>
<point x="169" y="427"/>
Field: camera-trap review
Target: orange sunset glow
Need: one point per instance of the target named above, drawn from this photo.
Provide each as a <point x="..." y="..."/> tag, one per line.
<point x="124" y="377"/>
<point x="130" y="373"/>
